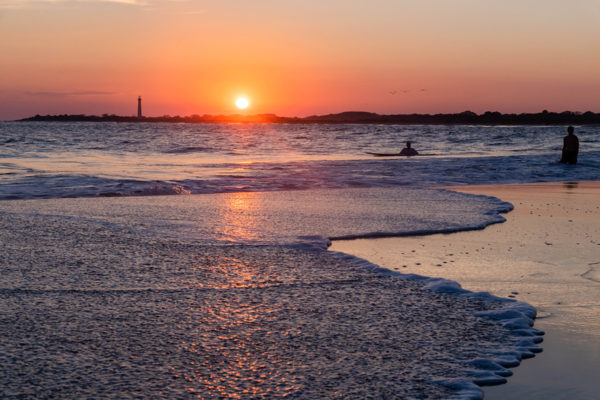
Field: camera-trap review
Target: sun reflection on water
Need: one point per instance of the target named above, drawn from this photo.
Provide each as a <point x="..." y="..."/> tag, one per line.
<point x="238" y="215"/>
<point x="232" y="348"/>
<point x="233" y="354"/>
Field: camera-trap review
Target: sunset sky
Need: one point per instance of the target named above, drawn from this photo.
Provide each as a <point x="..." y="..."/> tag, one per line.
<point x="297" y="58"/>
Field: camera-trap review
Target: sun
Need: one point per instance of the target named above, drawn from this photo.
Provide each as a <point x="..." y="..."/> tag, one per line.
<point x="242" y="103"/>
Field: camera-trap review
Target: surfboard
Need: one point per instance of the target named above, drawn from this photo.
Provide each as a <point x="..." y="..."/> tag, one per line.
<point x="384" y="154"/>
<point x="394" y="154"/>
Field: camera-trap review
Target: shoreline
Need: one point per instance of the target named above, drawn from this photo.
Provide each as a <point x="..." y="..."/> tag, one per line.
<point x="545" y="255"/>
<point x="347" y="117"/>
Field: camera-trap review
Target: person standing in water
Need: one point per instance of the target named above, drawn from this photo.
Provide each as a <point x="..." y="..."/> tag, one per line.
<point x="409" y="151"/>
<point x="570" y="148"/>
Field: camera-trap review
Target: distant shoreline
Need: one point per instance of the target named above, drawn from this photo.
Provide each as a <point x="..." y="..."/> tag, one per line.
<point x="352" y="117"/>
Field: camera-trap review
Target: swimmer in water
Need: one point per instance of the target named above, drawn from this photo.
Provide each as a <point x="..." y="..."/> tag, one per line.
<point x="409" y="151"/>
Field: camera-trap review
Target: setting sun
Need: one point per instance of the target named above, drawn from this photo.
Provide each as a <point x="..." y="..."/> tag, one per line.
<point x="242" y="103"/>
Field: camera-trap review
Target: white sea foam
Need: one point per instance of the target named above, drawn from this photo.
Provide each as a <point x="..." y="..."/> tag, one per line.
<point x="516" y="316"/>
<point x="104" y="283"/>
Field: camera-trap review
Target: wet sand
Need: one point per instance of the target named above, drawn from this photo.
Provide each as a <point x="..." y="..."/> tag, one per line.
<point x="547" y="254"/>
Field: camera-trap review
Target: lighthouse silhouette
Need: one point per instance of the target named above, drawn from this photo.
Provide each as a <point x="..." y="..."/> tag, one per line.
<point x="139" y="107"/>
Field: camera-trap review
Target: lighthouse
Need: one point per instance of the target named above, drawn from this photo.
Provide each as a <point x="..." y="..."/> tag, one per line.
<point x="139" y="107"/>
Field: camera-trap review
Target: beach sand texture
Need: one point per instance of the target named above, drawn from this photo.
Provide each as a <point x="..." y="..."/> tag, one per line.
<point x="547" y="254"/>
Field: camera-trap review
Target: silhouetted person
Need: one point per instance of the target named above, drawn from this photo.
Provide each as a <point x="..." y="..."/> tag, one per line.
<point x="409" y="151"/>
<point x="570" y="148"/>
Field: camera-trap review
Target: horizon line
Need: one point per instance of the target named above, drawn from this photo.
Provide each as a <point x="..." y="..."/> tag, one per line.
<point x="363" y="117"/>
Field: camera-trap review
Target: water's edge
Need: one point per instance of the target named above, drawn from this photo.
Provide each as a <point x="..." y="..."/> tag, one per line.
<point x="516" y="316"/>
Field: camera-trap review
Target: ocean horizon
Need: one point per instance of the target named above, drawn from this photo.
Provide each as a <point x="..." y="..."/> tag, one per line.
<point x="544" y="117"/>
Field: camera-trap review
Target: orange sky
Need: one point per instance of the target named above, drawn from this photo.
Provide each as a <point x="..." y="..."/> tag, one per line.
<point x="297" y="58"/>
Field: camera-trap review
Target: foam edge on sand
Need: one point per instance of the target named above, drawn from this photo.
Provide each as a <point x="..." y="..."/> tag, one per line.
<point x="515" y="316"/>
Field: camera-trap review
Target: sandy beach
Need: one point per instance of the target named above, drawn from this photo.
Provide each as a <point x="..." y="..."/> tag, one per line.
<point x="547" y="254"/>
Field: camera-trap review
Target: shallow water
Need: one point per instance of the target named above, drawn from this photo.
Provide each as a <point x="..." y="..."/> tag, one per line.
<point x="53" y="160"/>
<point x="108" y="301"/>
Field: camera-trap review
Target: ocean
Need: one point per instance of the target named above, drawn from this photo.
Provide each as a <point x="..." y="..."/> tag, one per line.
<point x="54" y="160"/>
<point x="190" y="260"/>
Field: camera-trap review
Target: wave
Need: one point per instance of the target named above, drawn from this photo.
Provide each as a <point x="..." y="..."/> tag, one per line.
<point x="21" y="182"/>
<point x="257" y="243"/>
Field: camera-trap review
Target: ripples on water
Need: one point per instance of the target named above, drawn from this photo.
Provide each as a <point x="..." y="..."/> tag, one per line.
<point x="111" y="159"/>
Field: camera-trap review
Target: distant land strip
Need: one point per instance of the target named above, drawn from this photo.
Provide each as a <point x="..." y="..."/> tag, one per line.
<point x="354" y="117"/>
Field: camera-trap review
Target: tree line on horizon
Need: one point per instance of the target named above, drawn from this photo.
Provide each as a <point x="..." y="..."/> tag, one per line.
<point x="353" y="117"/>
